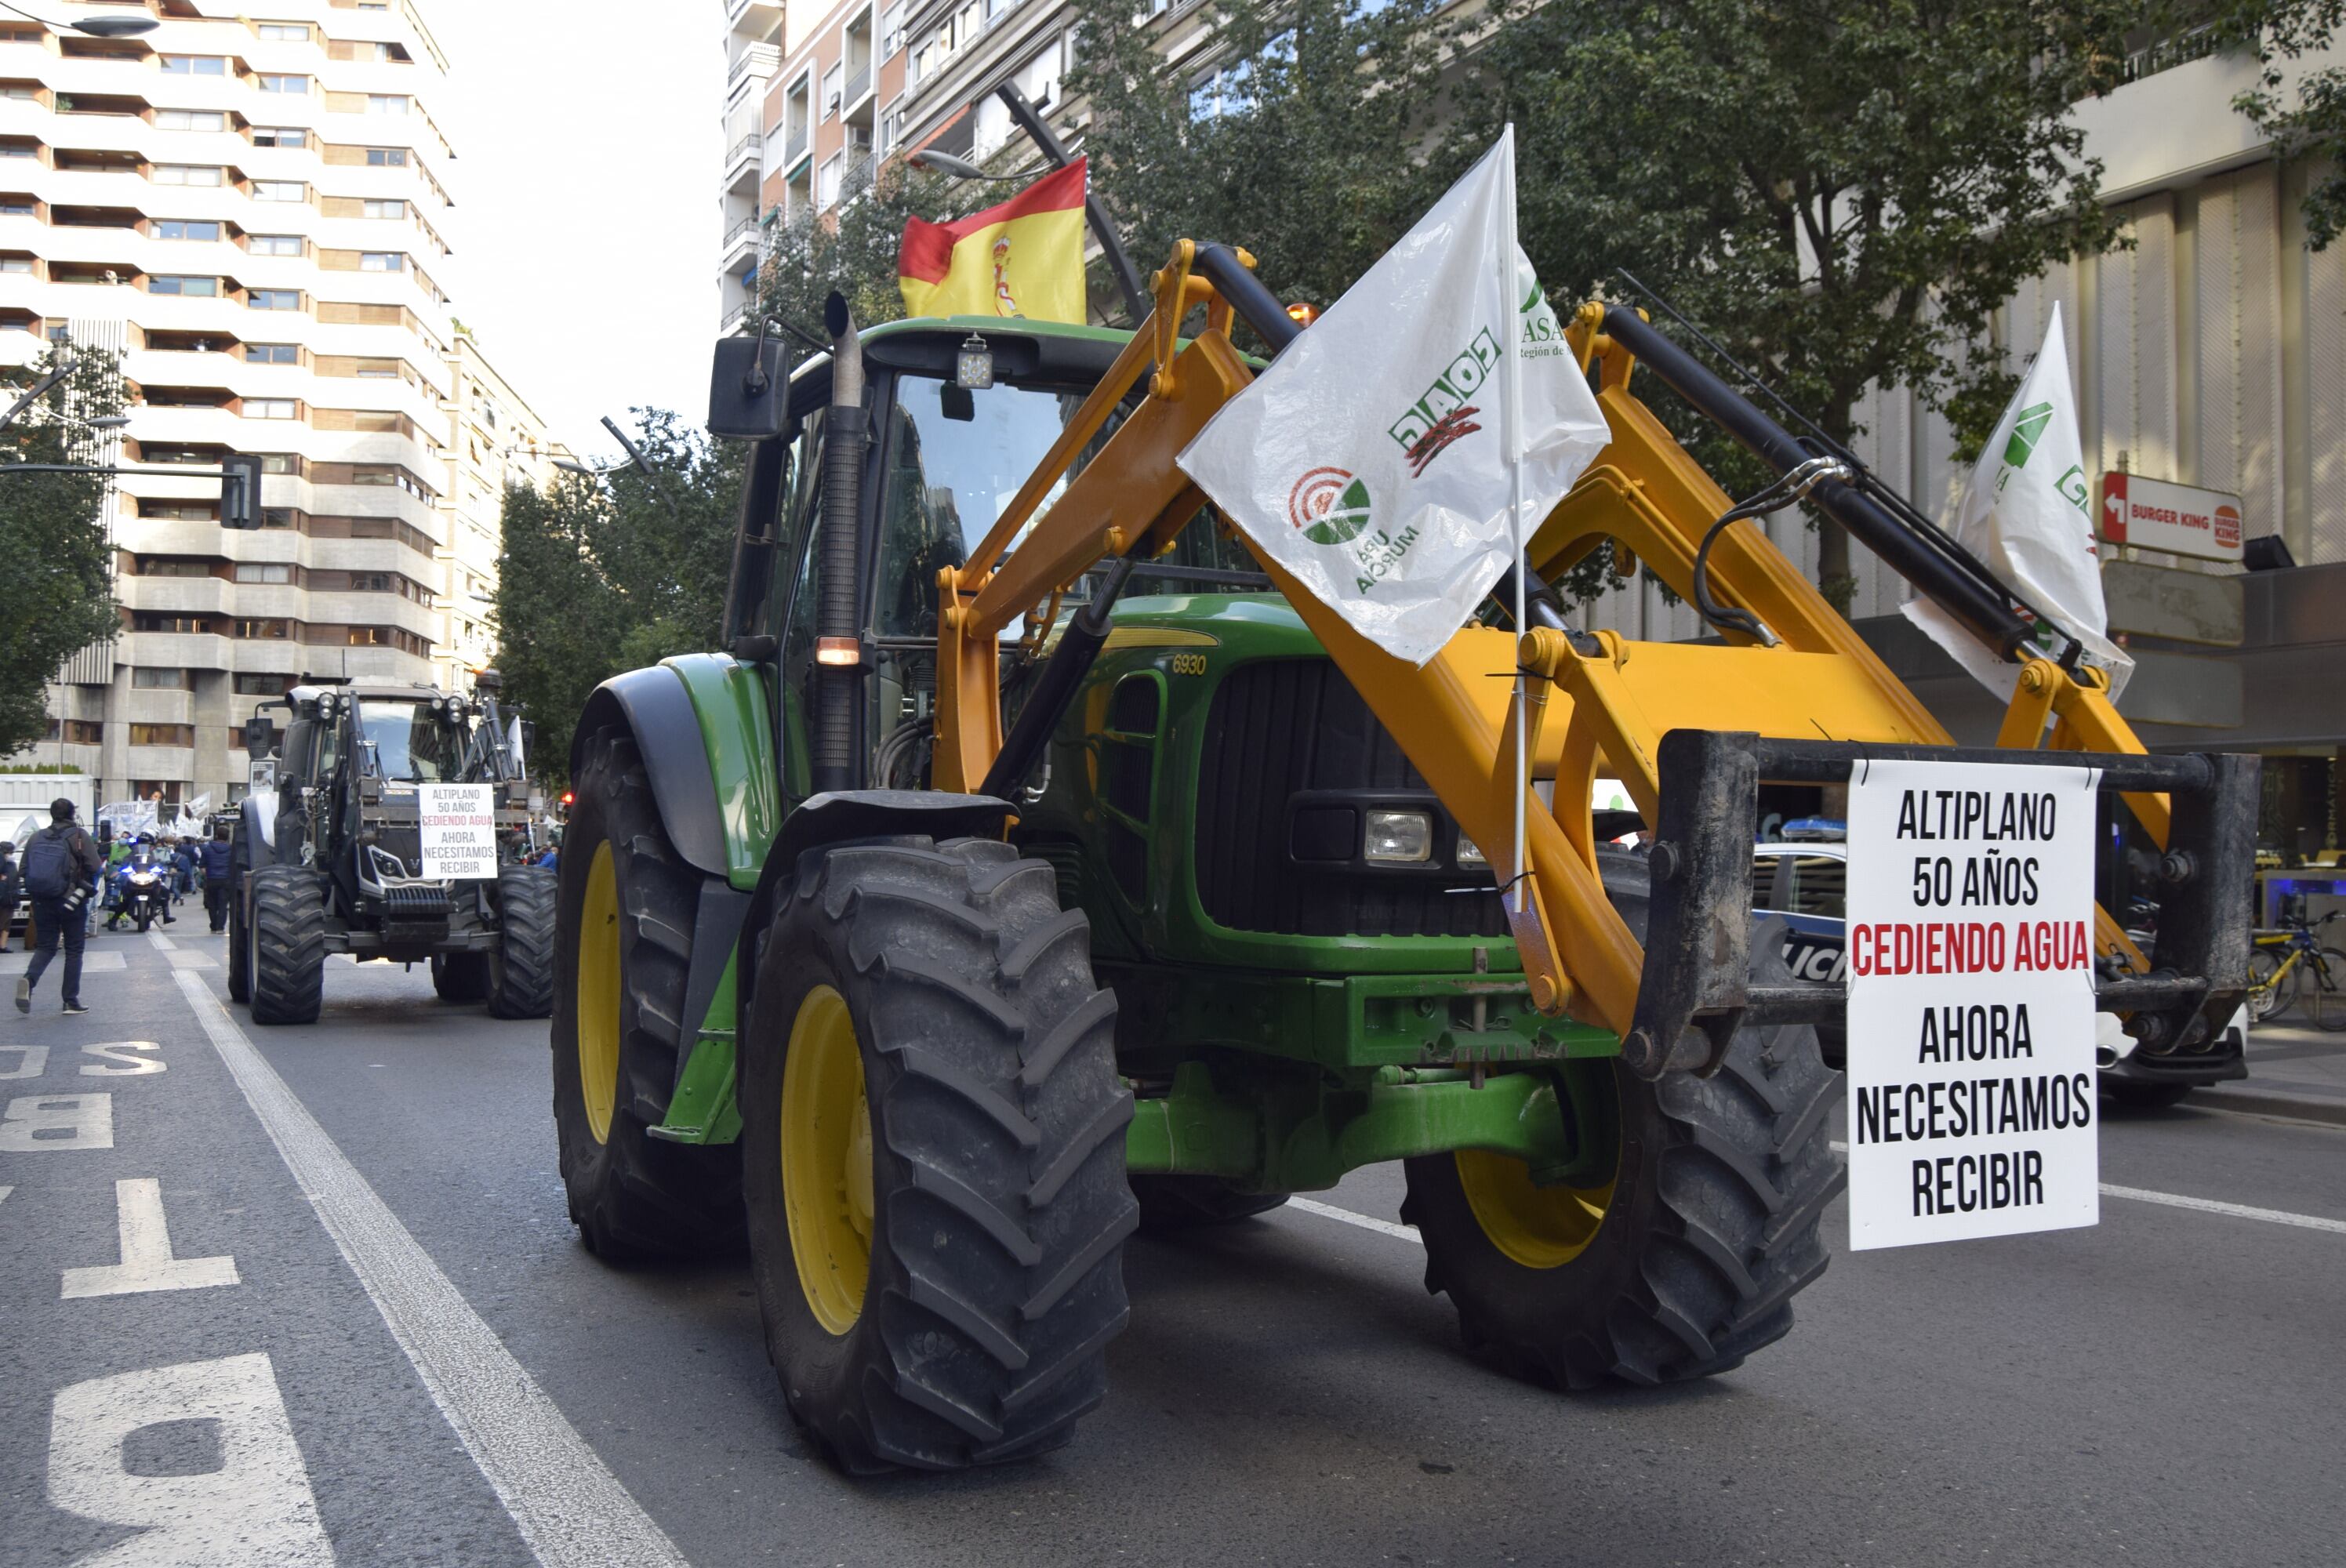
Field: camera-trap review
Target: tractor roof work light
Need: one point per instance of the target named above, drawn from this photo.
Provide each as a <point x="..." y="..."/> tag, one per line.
<point x="974" y="365"/>
<point x="1304" y="312"/>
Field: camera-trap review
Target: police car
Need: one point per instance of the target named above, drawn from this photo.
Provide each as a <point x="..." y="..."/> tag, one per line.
<point x="1803" y="880"/>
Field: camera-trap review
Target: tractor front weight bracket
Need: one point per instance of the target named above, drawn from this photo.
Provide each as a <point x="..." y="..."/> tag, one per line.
<point x="1695" y="990"/>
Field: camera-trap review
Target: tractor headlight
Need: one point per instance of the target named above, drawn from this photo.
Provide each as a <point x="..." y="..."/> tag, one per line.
<point x="1399" y="837"/>
<point x="1470" y="853"/>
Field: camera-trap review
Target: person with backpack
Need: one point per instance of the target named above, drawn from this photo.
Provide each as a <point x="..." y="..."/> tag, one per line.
<point x="219" y="875"/>
<point x="60" y="864"/>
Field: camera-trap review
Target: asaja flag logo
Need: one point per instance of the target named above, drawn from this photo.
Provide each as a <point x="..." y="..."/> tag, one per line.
<point x="1329" y="506"/>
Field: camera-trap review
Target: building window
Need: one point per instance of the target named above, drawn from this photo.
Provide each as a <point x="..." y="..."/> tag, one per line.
<point x="164" y="566"/>
<point x="162" y="735"/>
<point x="177" y="512"/>
<point x="891" y="127"/>
<point x="149" y="678"/>
<point x="263" y="684"/>
<point x="273" y="244"/>
<point x="381" y="261"/>
<point x="14" y="206"/>
<point x="274" y="299"/>
<point x="81" y="732"/>
<point x="186" y="228"/>
<point x="273" y="353"/>
<point x="279" y="190"/>
<point x="385" y="209"/>
<point x="385" y="104"/>
<point x="280" y="136"/>
<point x="833" y="80"/>
<point x="20" y="264"/>
<point x="286" y="32"/>
<point x="194" y="66"/>
<point x="826" y="189"/>
<point x="206" y="287"/>
<point x="190" y="119"/>
<point x="187" y="455"/>
<point x="271" y="408"/>
<point x="279" y="462"/>
<point x="892" y="29"/>
<point x="269" y="82"/>
<point x="386" y="157"/>
<point x="276" y="516"/>
<point x="264" y="572"/>
<point x="265" y="631"/>
<point x="186" y="174"/>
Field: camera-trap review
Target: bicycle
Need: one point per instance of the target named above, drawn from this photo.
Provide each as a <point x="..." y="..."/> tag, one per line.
<point x="2287" y="967"/>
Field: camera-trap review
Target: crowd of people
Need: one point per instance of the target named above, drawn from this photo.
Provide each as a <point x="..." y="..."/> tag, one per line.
<point x="64" y="868"/>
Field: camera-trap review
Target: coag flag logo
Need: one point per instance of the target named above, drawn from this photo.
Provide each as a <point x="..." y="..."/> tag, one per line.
<point x="1330" y="506"/>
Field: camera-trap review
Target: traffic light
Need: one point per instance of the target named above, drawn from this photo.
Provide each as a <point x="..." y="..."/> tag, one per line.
<point x="240" y="490"/>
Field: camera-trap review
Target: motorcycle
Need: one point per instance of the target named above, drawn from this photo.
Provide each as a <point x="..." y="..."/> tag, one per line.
<point x="141" y="892"/>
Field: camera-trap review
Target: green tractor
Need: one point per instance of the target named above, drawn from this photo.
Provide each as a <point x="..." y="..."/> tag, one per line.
<point x="938" y="945"/>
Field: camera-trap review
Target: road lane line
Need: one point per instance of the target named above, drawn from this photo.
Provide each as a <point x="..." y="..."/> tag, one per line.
<point x="568" y="1506"/>
<point x="162" y="943"/>
<point x="2206" y="1205"/>
<point x="1382" y="1227"/>
<point x="146" y="1261"/>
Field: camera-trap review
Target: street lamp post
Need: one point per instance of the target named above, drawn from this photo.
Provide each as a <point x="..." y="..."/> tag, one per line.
<point x="95" y="27"/>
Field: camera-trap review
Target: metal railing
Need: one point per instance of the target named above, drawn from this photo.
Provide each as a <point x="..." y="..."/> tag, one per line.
<point x="748" y="144"/>
<point x="797" y="148"/>
<point x="857" y="85"/>
<point x="2176" y="49"/>
<point x="763" y="58"/>
<point x="743" y="228"/>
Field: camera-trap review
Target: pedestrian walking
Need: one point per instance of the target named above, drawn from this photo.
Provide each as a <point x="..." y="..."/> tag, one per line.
<point x="219" y="876"/>
<point x="12" y="888"/>
<point x="58" y="866"/>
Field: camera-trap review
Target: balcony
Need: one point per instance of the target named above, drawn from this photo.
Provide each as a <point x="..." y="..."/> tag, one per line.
<point x="796" y="149"/>
<point x="756" y="62"/>
<point x="752" y="16"/>
<point x="741" y="166"/>
<point x="859" y="90"/>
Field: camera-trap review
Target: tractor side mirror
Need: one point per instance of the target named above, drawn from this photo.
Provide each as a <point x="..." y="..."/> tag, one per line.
<point x="259" y="737"/>
<point x="747" y="396"/>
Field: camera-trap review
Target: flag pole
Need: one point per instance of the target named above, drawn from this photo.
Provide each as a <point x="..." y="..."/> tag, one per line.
<point x="1512" y="437"/>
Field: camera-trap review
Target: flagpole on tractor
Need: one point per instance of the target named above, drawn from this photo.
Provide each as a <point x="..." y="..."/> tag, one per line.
<point x="1511" y="430"/>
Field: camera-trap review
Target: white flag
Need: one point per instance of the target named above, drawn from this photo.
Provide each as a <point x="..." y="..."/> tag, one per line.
<point x="1366" y="460"/>
<point x="2027" y="512"/>
<point x="513" y="741"/>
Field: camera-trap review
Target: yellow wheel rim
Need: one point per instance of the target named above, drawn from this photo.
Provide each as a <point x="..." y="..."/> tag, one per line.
<point x="1537" y="1227"/>
<point x="598" y="994"/>
<point x="827" y="1160"/>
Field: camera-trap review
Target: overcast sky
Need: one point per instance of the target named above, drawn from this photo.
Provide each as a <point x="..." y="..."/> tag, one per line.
<point x="585" y="183"/>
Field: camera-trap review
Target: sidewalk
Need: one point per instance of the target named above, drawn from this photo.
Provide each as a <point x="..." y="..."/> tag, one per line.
<point x="2294" y="1069"/>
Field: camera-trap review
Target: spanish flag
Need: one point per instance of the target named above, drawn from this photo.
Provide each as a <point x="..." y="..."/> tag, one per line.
<point x="1023" y="257"/>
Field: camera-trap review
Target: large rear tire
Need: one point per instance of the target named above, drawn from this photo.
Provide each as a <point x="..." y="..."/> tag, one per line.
<point x="621" y="948"/>
<point x="520" y="972"/>
<point x="933" y="1156"/>
<point x="1683" y="1262"/>
<point x="288" y="944"/>
<point x="460" y="977"/>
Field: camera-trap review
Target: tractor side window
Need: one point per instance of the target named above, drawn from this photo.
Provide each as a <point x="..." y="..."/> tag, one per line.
<point x="792" y="602"/>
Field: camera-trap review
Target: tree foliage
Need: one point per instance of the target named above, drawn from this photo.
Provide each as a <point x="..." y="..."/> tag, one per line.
<point x="1842" y="191"/>
<point x="52" y="535"/>
<point x="2309" y="123"/>
<point x="600" y="576"/>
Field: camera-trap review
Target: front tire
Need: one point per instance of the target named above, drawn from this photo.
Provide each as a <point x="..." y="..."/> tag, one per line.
<point x="933" y="1156"/>
<point x="520" y="970"/>
<point x="1685" y="1260"/>
<point x="288" y="945"/>
<point x="622" y="943"/>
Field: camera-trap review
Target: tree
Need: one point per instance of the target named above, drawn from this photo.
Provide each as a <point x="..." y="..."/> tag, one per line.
<point x="597" y="577"/>
<point x="1842" y="191"/>
<point x="1304" y="145"/>
<point x="2313" y="125"/>
<point x="852" y="247"/>
<point x="53" y="534"/>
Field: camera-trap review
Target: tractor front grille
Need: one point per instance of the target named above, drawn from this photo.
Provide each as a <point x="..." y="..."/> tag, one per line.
<point x="1278" y="726"/>
<point x="413" y="902"/>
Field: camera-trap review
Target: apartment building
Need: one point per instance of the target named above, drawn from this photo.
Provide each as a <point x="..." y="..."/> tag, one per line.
<point x="494" y="439"/>
<point x="814" y="99"/>
<point x="253" y="209"/>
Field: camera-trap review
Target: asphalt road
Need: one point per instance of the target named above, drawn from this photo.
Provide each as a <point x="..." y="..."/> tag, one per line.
<point x="415" y="1362"/>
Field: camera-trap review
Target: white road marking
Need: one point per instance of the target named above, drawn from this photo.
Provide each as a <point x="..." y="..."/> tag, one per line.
<point x="180" y="957"/>
<point x="97" y="961"/>
<point x="1382" y="1227"/>
<point x="566" y="1503"/>
<point x="160" y="941"/>
<point x="146" y="1261"/>
<point x="57" y="1122"/>
<point x="32" y="1061"/>
<point x="2205" y="1205"/>
<point x="5" y="1191"/>
<point x="255" y="1507"/>
<point x="126" y="1066"/>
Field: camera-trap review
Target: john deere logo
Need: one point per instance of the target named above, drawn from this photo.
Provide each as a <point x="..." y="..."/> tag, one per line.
<point x="1329" y="506"/>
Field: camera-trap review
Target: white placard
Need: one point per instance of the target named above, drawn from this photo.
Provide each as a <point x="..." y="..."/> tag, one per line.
<point x="1970" y="1002"/>
<point x="460" y="830"/>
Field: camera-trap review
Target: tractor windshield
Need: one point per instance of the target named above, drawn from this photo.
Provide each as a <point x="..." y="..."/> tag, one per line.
<point x="956" y="461"/>
<point x="406" y="742"/>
